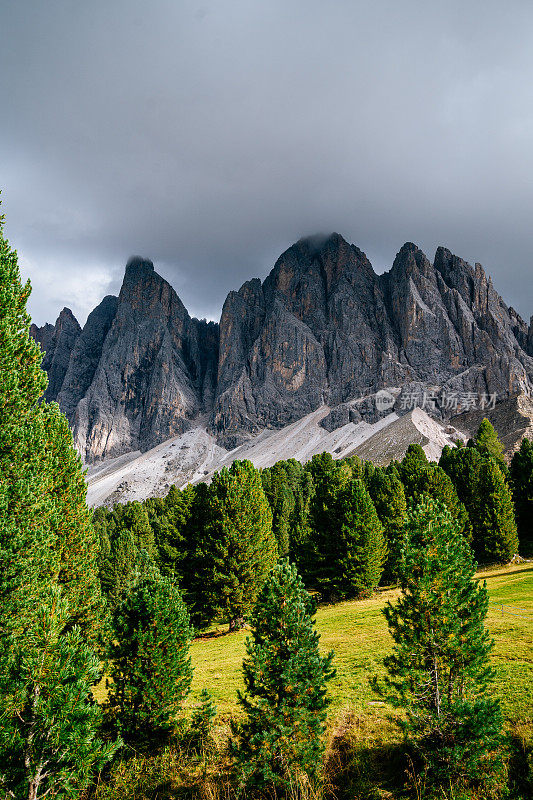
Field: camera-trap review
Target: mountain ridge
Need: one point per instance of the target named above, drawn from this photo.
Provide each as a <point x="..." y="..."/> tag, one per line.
<point x="322" y="329"/>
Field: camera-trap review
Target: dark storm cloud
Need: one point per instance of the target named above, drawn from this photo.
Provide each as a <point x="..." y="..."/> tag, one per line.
<point x="208" y="136"/>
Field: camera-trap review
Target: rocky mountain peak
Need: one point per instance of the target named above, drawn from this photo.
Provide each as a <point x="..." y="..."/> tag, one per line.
<point x="66" y="318"/>
<point x="145" y="293"/>
<point x="411" y="261"/>
<point x="57" y="341"/>
<point x="322" y="328"/>
<point x="137" y="265"/>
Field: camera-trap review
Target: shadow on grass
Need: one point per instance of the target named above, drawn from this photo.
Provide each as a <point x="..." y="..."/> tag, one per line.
<point x="520" y="768"/>
<point x="358" y="768"/>
<point x="487" y="573"/>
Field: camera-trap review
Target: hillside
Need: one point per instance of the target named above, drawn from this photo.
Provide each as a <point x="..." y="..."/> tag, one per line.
<point x="358" y="633"/>
<point x="195" y="455"/>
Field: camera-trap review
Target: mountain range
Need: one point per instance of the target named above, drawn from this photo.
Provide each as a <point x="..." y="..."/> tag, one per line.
<point x="323" y="330"/>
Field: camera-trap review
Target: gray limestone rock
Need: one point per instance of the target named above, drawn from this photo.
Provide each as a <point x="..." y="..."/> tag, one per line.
<point x="58" y="342"/>
<point x="322" y="328"/>
<point x="86" y="356"/>
<point x="155" y="372"/>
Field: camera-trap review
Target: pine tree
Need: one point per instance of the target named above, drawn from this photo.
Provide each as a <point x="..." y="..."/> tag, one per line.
<point x="280" y="495"/>
<point x="48" y="582"/>
<point x="119" y="567"/>
<point x="439" y="670"/>
<point x="483" y="489"/>
<point x="388" y="495"/>
<point x="151" y="669"/>
<point x="133" y="517"/>
<point x="522" y="481"/>
<point x="413" y="463"/>
<point x="330" y="477"/>
<point x="422" y="477"/>
<point x="170" y="520"/>
<point x="202" y="721"/>
<point x="299" y="522"/>
<point x="488" y="445"/>
<point x="351" y="551"/>
<point x="74" y="533"/>
<point x="237" y="548"/>
<point x="281" y="741"/>
<point x="52" y="746"/>
<point x="497" y="539"/>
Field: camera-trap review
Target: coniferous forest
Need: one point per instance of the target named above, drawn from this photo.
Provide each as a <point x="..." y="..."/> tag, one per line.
<point x="117" y="596"/>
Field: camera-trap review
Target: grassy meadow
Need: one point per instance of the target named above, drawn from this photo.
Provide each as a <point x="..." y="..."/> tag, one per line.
<point x="365" y="756"/>
<point x="357" y="632"/>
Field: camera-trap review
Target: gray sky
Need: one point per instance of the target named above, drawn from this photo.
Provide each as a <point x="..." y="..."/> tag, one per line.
<point x="209" y="135"/>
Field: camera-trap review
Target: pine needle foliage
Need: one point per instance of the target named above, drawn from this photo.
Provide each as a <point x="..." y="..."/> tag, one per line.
<point x="49" y="693"/>
<point x="50" y="605"/>
<point x="237" y="548"/>
<point x="151" y="668"/>
<point x="482" y="487"/>
<point x="488" y="445"/>
<point x="439" y="670"/>
<point x="522" y="481"/>
<point x="285" y="678"/>
<point x="388" y="495"/>
<point x="349" y="548"/>
<point x="495" y="521"/>
<point x="202" y="721"/>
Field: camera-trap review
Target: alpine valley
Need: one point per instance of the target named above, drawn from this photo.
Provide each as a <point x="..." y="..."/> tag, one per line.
<point x="323" y="355"/>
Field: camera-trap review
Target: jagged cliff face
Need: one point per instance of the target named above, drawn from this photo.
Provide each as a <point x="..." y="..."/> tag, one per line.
<point x="140" y="369"/>
<point x="325" y="328"/>
<point x="322" y="328"/>
<point x="58" y="342"/>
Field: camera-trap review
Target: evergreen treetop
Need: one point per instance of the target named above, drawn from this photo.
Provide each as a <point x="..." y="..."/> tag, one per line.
<point x="151" y="667"/>
<point x="285" y="678"/>
<point x="236" y="548"/>
<point x="487" y="443"/>
<point x="49" y="593"/>
<point x="522" y="482"/>
<point x="439" y="671"/>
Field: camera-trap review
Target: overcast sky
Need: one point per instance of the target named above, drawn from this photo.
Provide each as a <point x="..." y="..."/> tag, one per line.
<point x="210" y="135"/>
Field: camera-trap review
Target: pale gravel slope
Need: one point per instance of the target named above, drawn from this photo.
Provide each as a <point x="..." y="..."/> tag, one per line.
<point x="194" y="455"/>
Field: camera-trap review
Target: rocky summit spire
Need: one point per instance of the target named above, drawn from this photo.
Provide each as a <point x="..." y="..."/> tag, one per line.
<point x="322" y="328"/>
<point x="57" y="341"/>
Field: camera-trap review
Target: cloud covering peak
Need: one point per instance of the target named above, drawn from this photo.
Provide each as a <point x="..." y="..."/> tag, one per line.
<point x="211" y="135"/>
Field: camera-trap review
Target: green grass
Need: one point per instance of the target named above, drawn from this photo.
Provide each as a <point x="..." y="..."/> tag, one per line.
<point x="358" y="634"/>
<point x="365" y="755"/>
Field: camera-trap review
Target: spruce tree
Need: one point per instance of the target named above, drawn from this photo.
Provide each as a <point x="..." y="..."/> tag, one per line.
<point x="439" y="670"/>
<point x="522" y="481"/>
<point x="237" y="548"/>
<point x="49" y="598"/>
<point x="388" y="495"/>
<point x="351" y="551"/>
<point x="151" y="669"/>
<point x="281" y="741"/>
<point x="497" y="539"/>
<point x="488" y="445"/>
